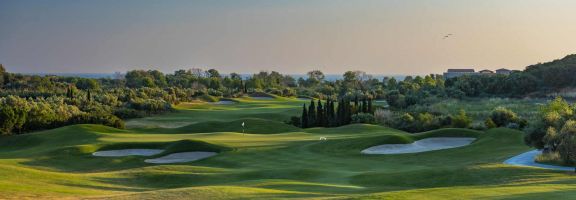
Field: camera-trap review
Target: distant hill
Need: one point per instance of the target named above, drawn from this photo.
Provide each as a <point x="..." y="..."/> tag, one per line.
<point x="556" y="74"/>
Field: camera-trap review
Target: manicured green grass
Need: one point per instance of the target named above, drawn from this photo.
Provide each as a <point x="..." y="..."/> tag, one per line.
<point x="272" y="160"/>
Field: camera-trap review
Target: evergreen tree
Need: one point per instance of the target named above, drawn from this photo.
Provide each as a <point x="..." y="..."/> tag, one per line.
<point x="304" y="117"/>
<point x="319" y="114"/>
<point x="330" y="114"/>
<point x="370" y="109"/>
<point x="364" y="106"/>
<point x="311" y="114"/>
<point x="339" y="113"/>
<point x="356" y="105"/>
<point x="88" y="95"/>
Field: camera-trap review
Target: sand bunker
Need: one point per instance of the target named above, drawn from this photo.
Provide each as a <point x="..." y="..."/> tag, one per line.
<point x="428" y="144"/>
<point x="181" y="157"/>
<point x="127" y="152"/>
<point x="527" y="160"/>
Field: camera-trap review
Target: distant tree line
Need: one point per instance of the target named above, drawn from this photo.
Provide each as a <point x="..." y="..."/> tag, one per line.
<point x="144" y="92"/>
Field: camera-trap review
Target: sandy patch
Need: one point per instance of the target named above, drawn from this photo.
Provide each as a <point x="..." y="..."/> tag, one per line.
<point x="181" y="157"/>
<point x="527" y="160"/>
<point x="428" y="144"/>
<point x="127" y="152"/>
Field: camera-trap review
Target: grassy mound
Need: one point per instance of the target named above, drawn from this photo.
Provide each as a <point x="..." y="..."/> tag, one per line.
<point x="252" y="126"/>
<point x="208" y="98"/>
<point x="169" y="147"/>
<point x="57" y="164"/>
<point x="262" y="94"/>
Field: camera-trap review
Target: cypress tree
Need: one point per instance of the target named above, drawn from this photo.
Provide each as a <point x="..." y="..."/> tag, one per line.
<point x="304" y="117"/>
<point x="329" y="113"/>
<point x="339" y="113"/>
<point x="88" y="95"/>
<point x="348" y="112"/>
<point x="370" y="110"/>
<point x="364" y="106"/>
<point x="319" y="114"/>
<point x="356" y="105"/>
<point x="311" y="114"/>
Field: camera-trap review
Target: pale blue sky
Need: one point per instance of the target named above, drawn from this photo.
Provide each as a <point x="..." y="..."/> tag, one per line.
<point x="377" y="36"/>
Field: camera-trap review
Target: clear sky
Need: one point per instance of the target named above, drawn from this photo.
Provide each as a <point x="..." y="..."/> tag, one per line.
<point x="376" y="36"/>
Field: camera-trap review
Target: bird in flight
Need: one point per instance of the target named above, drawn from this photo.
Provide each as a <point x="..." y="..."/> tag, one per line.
<point x="447" y="36"/>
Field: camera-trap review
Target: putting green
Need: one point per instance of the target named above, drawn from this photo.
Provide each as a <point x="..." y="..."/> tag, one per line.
<point x="270" y="160"/>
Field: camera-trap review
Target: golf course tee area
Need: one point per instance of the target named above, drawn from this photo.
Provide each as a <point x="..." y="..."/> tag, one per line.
<point x="264" y="159"/>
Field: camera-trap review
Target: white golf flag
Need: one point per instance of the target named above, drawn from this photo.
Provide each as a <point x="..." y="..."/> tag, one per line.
<point x="242" y="124"/>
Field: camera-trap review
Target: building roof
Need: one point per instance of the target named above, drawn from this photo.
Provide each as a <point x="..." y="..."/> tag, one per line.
<point x="460" y="70"/>
<point x="503" y="69"/>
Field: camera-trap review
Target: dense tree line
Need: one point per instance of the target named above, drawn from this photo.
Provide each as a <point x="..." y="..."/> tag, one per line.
<point x="330" y="114"/>
<point x="143" y="92"/>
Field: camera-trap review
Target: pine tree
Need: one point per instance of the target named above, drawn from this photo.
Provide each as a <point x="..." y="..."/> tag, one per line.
<point x="304" y="117"/>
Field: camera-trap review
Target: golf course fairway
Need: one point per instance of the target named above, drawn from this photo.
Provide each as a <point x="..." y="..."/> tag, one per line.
<point x="267" y="159"/>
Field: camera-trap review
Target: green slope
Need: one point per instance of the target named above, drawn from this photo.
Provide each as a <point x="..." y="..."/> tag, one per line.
<point x="291" y="163"/>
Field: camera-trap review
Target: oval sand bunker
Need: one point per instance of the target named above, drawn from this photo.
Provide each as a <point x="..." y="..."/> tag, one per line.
<point x="428" y="144"/>
<point x="127" y="152"/>
<point x="181" y="157"/>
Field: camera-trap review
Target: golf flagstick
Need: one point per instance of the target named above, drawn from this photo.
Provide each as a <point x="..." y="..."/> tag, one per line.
<point x="242" y="127"/>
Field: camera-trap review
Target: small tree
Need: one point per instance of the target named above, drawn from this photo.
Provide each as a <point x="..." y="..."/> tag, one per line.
<point x="461" y="120"/>
<point x="567" y="145"/>
<point x="502" y="116"/>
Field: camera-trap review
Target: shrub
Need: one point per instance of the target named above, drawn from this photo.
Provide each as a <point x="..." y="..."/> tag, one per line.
<point x="489" y="123"/>
<point x="295" y="121"/>
<point x="513" y="126"/>
<point x="479" y="126"/>
<point x="382" y="116"/>
<point x="461" y="120"/>
<point x="502" y="116"/>
<point x="364" y="118"/>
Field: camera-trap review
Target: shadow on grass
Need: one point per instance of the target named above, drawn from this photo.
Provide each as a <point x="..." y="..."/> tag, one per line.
<point x="449" y="177"/>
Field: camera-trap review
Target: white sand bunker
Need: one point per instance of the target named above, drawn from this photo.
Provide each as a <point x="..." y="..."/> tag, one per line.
<point x="127" y="152"/>
<point x="428" y="144"/>
<point x="181" y="157"/>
